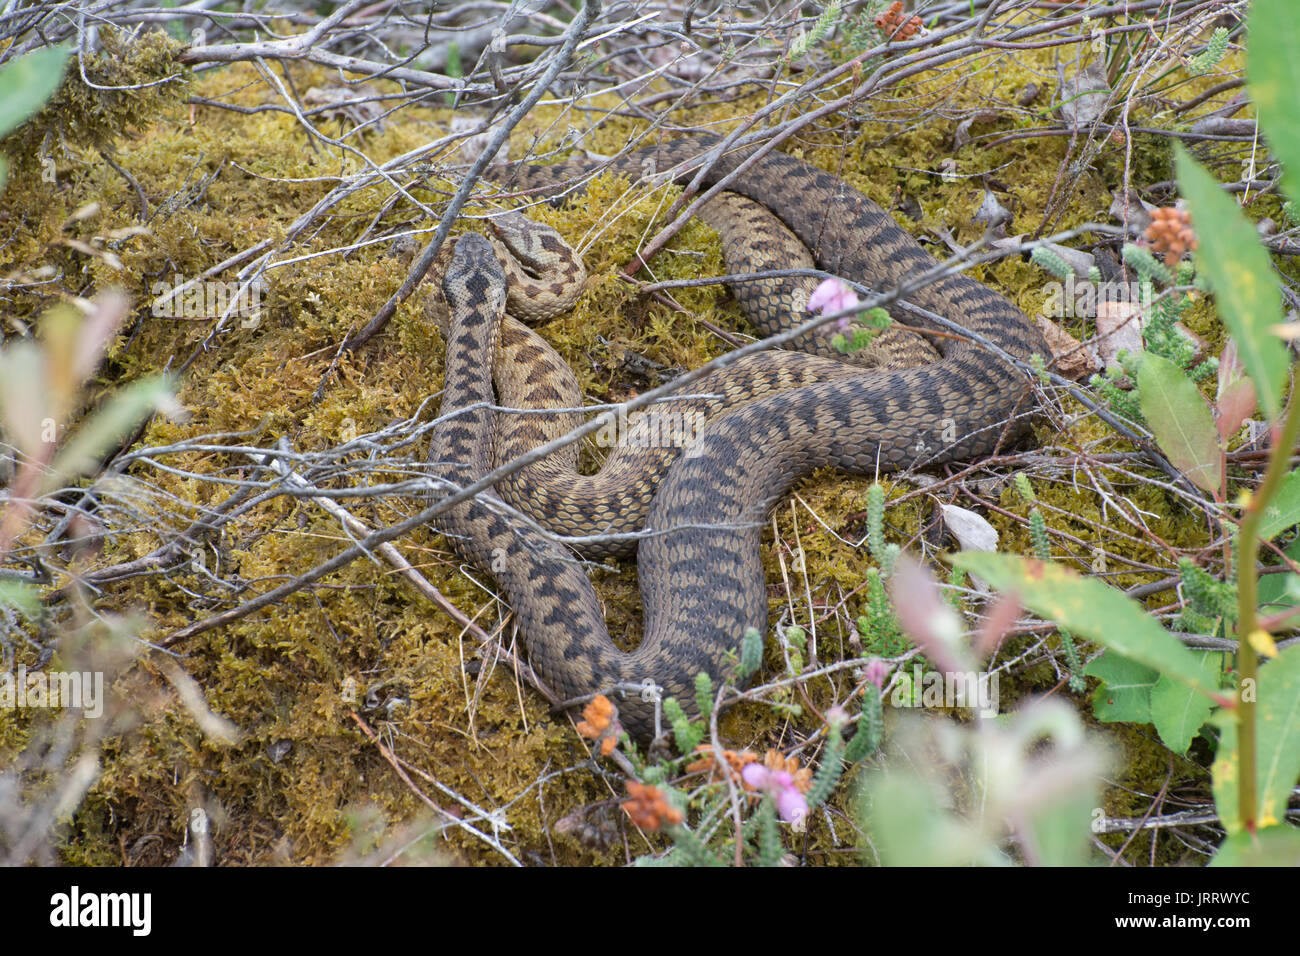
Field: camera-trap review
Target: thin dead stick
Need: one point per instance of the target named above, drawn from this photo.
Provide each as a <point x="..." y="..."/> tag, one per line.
<point x="395" y="558"/>
<point x="450" y="819"/>
<point x="390" y="553"/>
<point x="590" y="9"/>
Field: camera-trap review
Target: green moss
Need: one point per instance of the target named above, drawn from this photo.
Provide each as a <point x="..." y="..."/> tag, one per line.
<point x="136" y="80"/>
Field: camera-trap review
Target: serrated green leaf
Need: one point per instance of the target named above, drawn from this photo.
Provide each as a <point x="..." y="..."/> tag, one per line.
<point x="1274" y="73"/>
<point x="1125" y="691"/>
<point x="27" y="82"/>
<point x="1277" y="732"/>
<point x="1178" y="711"/>
<point x="1088" y="608"/>
<point x="1230" y="256"/>
<point x="1181" y="421"/>
<point x="1273" y="846"/>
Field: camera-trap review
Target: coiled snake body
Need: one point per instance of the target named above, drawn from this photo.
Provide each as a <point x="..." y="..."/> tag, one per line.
<point x="700" y="570"/>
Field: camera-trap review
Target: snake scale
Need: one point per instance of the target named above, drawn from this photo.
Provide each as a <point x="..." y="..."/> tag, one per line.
<point x="700" y="570"/>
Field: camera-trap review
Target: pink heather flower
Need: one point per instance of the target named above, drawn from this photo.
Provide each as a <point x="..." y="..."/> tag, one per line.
<point x="877" y="671"/>
<point x="790" y="803"/>
<point x="832" y="296"/>
<point x="755" y="776"/>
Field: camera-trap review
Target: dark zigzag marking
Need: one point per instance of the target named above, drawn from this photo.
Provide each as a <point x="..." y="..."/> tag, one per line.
<point x="839" y="223"/>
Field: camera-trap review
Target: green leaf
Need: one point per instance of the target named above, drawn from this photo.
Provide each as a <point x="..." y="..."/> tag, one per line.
<point x="1278" y="716"/>
<point x="1181" y="421"/>
<point x="1178" y="711"/>
<point x="1277" y="758"/>
<point x="1061" y="840"/>
<point x="21" y="595"/>
<point x="1230" y="256"/>
<point x="1274" y="846"/>
<point x="27" y="82"/>
<point x="1274" y="73"/>
<point x="1280" y="591"/>
<point x="1277" y="592"/>
<point x="1090" y="609"/>
<point x="906" y="817"/>
<point x="1125" y="691"/>
<point x="1223" y="772"/>
<point x="107" y="427"/>
<point x="1284" y="510"/>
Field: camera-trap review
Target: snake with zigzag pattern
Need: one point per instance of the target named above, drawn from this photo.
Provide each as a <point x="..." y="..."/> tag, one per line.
<point x="700" y="570"/>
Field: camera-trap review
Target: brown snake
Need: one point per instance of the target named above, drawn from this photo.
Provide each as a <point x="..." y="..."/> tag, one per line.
<point x="608" y="508"/>
<point x="701" y="575"/>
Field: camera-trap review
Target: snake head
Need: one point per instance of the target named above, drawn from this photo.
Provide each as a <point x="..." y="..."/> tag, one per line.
<point x="473" y="252"/>
<point x="537" y="247"/>
<point x="474" y="277"/>
<point x="544" y="275"/>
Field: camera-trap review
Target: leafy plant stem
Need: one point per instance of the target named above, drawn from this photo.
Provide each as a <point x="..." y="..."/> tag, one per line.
<point x="1247" y="596"/>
